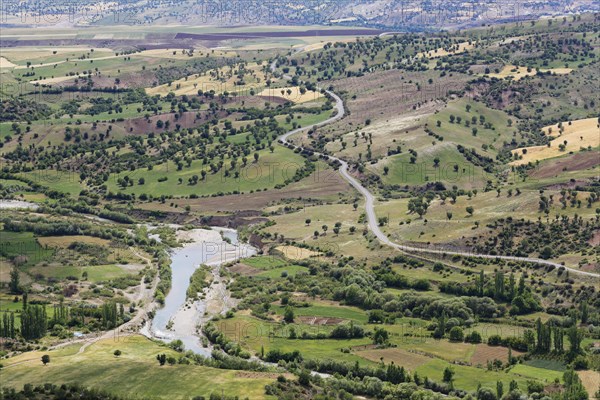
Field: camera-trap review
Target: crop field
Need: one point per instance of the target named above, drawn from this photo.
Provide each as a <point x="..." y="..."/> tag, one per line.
<point x="470" y="377"/>
<point x="546" y="375"/>
<point x="576" y="135"/>
<point x="22" y="248"/>
<point x="95" y="273"/>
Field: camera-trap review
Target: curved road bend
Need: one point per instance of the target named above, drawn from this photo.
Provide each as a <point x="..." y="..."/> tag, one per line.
<point x="370" y="202"/>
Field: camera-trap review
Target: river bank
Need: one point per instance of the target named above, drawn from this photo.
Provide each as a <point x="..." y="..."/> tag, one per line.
<point x="180" y="318"/>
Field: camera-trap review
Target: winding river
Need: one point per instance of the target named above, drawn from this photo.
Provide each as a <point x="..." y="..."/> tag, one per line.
<point x="180" y="318"/>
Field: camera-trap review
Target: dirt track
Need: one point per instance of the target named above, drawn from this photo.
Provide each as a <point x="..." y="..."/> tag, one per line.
<point x="370" y="202"/>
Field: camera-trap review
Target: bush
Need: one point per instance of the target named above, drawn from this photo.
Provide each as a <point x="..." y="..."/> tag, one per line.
<point x="473" y="337"/>
<point x="456" y="334"/>
<point x="580" y="363"/>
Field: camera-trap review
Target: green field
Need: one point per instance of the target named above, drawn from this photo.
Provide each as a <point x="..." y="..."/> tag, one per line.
<point x="23" y="248"/>
<point x="135" y="373"/>
<point x="96" y="273"/>
<point x="271" y="169"/>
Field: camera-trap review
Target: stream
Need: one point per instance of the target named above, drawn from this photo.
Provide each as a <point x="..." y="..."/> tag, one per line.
<point x="180" y="318"/>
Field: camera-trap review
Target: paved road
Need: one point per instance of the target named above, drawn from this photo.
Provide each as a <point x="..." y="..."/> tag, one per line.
<point x="370" y="202"/>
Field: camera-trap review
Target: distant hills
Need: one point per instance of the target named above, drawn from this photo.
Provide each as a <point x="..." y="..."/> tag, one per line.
<point x="401" y="15"/>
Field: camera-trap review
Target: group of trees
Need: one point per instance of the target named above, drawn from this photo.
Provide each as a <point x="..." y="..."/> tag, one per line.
<point x="34" y="322"/>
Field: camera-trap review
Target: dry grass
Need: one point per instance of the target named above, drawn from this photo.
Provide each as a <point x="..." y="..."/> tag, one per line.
<point x="591" y="381"/>
<point x="580" y="134"/>
<point x="66" y="241"/>
<point x="455" y="49"/>
<point x="518" y="73"/>
<point x="292" y="94"/>
<point x="4" y="63"/>
<point x="296" y="253"/>
<point x="219" y="80"/>
<point x="483" y="353"/>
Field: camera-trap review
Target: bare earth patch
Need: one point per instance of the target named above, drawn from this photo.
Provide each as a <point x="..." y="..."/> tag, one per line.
<point x="244" y="269"/>
<point x="296" y="253"/>
<point x="483" y="353"/>
<point x="575" y="162"/>
<point x="4" y="63"/>
<point x="308" y="320"/>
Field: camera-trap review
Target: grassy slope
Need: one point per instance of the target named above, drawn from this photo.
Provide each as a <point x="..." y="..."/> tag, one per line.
<point x="135" y="373"/>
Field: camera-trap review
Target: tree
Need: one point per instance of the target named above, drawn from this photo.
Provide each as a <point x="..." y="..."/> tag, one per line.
<point x="499" y="389"/>
<point x="456" y="334"/>
<point x="585" y="313"/>
<point x="575" y="337"/>
<point x="546" y="253"/>
<point x="117" y="353"/>
<point x="380" y="336"/>
<point x="308" y="221"/>
<point x="288" y="315"/>
<point x="304" y="377"/>
<point x="448" y="375"/>
<point x="162" y="359"/>
<point x="449" y="215"/>
<point x="34" y="322"/>
<point x="470" y="210"/>
<point x="45" y="359"/>
<point x="14" y="285"/>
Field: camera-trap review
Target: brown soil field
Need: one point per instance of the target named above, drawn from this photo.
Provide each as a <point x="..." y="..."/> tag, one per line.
<point x="311" y="187"/>
<point x="483" y="353"/>
<point x="279" y="34"/>
<point x="386" y="95"/>
<point x="262" y="375"/>
<point x="398" y="356"/>
<point x="308" y="320"/>
<point x="143" y="126"/>
<point x="244" y="270"/>
<point x="595" y="240"/>
<point x="575" y="162"/>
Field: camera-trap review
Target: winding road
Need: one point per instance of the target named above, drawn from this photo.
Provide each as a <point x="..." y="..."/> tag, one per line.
<point x="370" y="200"/>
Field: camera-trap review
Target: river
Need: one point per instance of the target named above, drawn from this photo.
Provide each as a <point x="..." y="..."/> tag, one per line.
<point x="205" y="247"/>
<point x="17" y="205"/>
